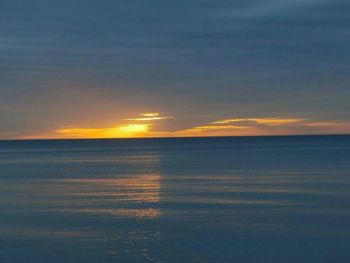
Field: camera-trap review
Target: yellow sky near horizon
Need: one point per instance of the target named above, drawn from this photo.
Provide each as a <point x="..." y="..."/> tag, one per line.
<point x="142" y="126"/>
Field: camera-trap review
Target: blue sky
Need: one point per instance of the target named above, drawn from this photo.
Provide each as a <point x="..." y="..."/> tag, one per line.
<point x="93" y="64"/>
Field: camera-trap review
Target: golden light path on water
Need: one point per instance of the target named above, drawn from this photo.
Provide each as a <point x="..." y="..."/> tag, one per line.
<point x="119" y="192"/>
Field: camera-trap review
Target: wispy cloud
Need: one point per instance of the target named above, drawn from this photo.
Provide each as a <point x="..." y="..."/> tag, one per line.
<point x="153" y="116"/>
<point x="265" y="121"/>
<point x="267" y="126"/>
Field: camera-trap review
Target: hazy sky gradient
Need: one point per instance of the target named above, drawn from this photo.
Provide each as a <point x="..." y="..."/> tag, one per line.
<point x="92" y="64"/>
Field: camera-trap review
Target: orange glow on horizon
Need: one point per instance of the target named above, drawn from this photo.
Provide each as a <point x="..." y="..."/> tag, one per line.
<point x="125" y="131"/>
<point x="143" y="128"/>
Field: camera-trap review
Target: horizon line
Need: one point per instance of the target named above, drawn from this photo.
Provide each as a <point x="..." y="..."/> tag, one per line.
<point x="176" y="137"/>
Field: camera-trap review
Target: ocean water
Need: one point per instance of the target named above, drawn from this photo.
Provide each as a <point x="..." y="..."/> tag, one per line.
<point x="247" y="199"/>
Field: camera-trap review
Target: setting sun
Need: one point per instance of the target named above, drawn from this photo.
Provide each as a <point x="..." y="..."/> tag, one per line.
<point x="125" y="131"/>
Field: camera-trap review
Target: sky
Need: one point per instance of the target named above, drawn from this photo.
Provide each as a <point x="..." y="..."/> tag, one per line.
<point x="127" y="68"/>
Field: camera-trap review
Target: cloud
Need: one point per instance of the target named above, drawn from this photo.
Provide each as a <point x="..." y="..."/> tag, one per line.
<point x="153" y="116"/>
<point x="267" y="126"/>
<point x="266" y="121"/>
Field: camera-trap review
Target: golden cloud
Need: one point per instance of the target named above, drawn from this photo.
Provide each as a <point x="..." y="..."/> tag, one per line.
<point x="153" y="116"/>
<point x="266" y="121"/>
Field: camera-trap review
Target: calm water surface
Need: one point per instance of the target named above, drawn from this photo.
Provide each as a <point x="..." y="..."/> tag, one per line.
<point x="258" y="199"/>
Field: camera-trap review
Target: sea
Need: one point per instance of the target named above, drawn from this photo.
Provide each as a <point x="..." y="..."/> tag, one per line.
<point x="221" y="199"/>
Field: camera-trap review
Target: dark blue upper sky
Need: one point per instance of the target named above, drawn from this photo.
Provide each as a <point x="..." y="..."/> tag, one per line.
<point x="92" y="63"/>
